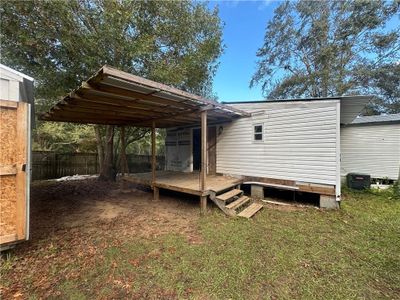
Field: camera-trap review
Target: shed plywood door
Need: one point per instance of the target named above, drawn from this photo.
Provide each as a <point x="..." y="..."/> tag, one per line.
<point x="212" y="150"/>
<point x="13" y="162"/>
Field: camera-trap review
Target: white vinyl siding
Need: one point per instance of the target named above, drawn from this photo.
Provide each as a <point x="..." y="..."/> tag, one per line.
<point x="299" y="142"/>
<point x="371" y="149"/>
<point x="9" y="89"/>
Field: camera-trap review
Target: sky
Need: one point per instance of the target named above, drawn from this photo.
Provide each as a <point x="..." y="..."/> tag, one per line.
<point x="243" y="34"/>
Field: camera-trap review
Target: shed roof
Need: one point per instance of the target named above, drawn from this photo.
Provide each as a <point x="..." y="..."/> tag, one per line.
<point x="115" y="97"/>
<point x="15" y="74"/>
<point x="392" y="118"/>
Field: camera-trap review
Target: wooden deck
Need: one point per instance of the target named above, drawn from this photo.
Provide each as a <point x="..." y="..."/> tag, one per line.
<point x="188" y="183"/>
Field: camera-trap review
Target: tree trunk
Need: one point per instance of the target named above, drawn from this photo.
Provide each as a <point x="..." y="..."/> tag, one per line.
<point x="123" y="159"/>
<point x="107" y="170"/>
<point x="100" y="146"/>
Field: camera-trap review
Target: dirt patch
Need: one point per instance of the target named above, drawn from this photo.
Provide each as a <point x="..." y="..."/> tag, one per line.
<point x="88" y="204"/>
<point x="72" y="221"/>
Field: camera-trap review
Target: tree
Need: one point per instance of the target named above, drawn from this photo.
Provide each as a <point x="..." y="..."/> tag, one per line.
<point x="331" y="48"/>
<point x="61" y="43"/>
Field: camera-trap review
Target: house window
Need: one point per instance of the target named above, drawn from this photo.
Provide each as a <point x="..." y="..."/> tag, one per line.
<point x="258" y="132"/>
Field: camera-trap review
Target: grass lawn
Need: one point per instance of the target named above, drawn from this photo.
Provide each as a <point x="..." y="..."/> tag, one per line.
<point x="306" y="253"/>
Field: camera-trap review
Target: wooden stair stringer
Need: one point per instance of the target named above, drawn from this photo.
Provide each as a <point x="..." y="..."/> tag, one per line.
<point x="238" y="203"/>
<point x="221" y="206"/>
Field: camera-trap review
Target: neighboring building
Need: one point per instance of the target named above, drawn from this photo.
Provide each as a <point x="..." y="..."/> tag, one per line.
<point x="288" y="144"/>
<point x="371" y="145"/>
<point x="16" y="105"/>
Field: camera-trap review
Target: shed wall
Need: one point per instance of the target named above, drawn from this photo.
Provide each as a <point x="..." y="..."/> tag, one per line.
<point x="9" y="89"/>
<point x="16" y="97"/>
<point x="371" y="149"/>
<point x="299" y="142"/>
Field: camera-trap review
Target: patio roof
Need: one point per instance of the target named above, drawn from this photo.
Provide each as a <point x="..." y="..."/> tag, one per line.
<point x="115" y="97"/>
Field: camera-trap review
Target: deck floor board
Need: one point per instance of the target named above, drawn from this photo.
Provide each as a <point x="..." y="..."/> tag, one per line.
<point x="185" y="182"/>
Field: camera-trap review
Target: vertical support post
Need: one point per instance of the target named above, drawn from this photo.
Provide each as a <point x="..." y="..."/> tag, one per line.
<point x="203" y="204"/>
<point x="338" y="187"/>
<point x="153" y="160"/>
<point x="123" y="154"/>
<point x="203" y="167"/>
<point x="156" y="193"/>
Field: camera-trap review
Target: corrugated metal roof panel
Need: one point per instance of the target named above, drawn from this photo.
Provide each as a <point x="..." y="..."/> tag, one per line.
<point x="377" y="119"/>
<point x="115" y="97"/>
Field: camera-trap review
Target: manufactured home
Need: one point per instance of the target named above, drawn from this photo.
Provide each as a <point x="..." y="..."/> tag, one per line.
<point x="16" y="106"/>
<point x="213" y="148"/>
<point x="371" y="145"/>
<point x="286" y="144"/>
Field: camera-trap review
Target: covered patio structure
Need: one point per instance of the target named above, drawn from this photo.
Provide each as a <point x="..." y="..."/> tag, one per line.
<point x="114" y="97"/>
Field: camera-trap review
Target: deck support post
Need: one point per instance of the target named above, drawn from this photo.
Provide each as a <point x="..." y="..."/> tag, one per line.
<point x="156" y="193"/>
<point x="203" y="167"/>
<point x="153" y="161"/>
<point x="203" y="204"/>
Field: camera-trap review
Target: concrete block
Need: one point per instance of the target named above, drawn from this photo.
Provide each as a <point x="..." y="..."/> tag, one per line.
<point x="257" y="192"/>
<point x="329" y="202"/>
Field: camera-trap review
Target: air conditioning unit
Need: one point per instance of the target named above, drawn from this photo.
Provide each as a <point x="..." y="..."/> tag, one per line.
<point x="358" y="181"/>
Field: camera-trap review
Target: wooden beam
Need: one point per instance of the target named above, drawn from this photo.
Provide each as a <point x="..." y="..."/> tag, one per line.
<point x="110" y="112"/>
<point x="112" y="116"/>
<point x="153" y="157"/>
<point x="121" y="93"/>
<point x="203" y="204"/>
<point x="156" y="193"/>
<point x="184" y="115"/>
<point x="203" y="168"/>
<point x="8" y="170"/>
<point x="104" y="110"/>
<point x="21" y="159"/>
<point x="4" y="239"/>
<point x="79" y="120"/>
<point x="121" y="103"/>
<point x="8" y="103"/>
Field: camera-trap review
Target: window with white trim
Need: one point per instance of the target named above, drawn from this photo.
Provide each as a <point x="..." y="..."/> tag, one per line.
<point x="258" y="130"/>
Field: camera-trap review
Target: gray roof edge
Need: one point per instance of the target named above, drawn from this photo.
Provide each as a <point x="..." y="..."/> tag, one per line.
<point x="301" y="99"/>
<point x="377" y="119"/>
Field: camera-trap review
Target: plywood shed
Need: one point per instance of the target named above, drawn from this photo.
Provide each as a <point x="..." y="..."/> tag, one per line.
<point x="16" y="105"/>
<point x="371" y="145"/>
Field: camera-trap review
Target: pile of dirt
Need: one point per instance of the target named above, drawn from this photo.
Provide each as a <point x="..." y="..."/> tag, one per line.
<point x="52" y="190"/>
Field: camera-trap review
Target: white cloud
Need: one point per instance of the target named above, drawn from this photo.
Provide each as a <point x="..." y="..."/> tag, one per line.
<point x="264" y="4"/>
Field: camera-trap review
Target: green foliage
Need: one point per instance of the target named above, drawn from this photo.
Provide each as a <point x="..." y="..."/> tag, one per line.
<point x="63" y="138"/>
<point x="331" y="48"/>
<point x="61" y="43"/>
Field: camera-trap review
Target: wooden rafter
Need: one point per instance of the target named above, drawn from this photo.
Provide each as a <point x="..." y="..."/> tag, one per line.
<point x="119" y="98"/>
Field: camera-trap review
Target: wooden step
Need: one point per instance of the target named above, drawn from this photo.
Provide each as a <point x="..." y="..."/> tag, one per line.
<point x="230" y="194"/>
<point x="249" y="211"/>
<point x="238" y="203"/>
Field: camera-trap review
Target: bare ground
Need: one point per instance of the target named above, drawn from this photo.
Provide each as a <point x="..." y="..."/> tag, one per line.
<point x="79" y="217"/>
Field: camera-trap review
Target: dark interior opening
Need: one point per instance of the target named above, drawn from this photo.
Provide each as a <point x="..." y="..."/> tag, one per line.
<point x="287" y="196"/>
<point x="294" y="197"/>
<point x="196" y="149"/>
